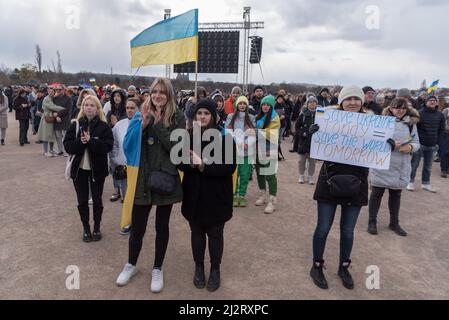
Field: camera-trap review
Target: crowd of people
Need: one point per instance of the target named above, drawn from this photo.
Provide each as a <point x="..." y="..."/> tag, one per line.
<point x="92" y="126"/>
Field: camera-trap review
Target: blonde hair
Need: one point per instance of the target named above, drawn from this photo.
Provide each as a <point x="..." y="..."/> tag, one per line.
<point x="170" y="106"/>
<point x="97" y="104"/>
<point x="89" y="92"/>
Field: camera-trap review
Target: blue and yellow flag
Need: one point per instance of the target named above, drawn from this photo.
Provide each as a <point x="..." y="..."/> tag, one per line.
<point x="131" y="146"/>
<point x="433" y="86"/>
<point x="170" y="41"/>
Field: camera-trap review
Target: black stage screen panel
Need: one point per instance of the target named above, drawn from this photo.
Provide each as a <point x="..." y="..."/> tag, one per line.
<point x="218" y="52"/>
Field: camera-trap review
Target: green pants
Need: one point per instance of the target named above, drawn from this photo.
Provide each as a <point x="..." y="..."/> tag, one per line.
<point x="244" y="171"/>
<point x="262" y="182"/>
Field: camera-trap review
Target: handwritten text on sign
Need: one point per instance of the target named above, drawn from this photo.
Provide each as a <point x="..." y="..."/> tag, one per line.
<point x="353" y="138"/>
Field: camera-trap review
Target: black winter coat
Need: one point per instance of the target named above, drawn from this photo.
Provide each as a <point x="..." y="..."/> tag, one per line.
<point x="65" y="102"/>
<point x="305" y="120"/>
<point x="100" y="144"/>
<point x="374" y="107"/>
<point x="208" y="195"/>
<point x="22" y="113"/>
<point x="431" y="127"/>
<point x="322" y="192"/>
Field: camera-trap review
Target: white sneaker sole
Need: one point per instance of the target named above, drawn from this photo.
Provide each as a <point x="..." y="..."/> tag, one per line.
<point x="123" y="284"/>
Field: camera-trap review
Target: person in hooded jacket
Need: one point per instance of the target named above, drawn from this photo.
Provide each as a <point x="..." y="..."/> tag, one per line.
<point x="208" y="196"/>
<point x="395" y="179"/>
<point x="351" y="99"/>
<point x="221" y="115"/>
<point x="90" y="147"/>
<point x="305" y="121"/>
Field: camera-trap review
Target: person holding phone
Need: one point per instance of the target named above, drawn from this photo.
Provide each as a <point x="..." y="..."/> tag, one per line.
<point x="90" y="145"/>
<point x="405" y="141"/>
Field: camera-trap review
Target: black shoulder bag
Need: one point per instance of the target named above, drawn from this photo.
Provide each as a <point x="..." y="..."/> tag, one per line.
<point x="343" y="185"/>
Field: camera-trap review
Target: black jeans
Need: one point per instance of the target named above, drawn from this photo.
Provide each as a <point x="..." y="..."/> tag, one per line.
<point x="139" y="222"/>
<point x="82" y="182"/>
<point x="216" y="243"/>
<point x="23" y="130"/>
<point x="394" y="204"/>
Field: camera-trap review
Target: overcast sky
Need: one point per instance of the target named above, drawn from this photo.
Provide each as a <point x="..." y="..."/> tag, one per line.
<point x="321" y="42"/>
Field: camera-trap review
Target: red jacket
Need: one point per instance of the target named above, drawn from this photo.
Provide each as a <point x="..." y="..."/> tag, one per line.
<point x="229" y="106"/>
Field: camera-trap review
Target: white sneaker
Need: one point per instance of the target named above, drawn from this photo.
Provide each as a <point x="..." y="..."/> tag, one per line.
<point x="125" y="276"/>
<point x="270" y="207"/>
<point x="311" y="180"/>
<point x="49" y="154"/>
<point x="262" y="199"/>
<point x="411" y="186"/>
<point x="429" y="188"/>
<point x="301" y="180"/>
<point x="157" y="281"/>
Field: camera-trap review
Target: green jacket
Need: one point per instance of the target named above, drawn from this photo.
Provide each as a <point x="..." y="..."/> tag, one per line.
<point x="155" y="156"/>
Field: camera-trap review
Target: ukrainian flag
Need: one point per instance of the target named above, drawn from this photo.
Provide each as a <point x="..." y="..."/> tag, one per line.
<point x="170" y="41"/>
<point x="131" y="145"/>
<point x="433" y="86"/>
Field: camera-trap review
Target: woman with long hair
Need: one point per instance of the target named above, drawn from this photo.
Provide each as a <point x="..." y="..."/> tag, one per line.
<point x="89" y="139"/>
<point x="160" y="117"/>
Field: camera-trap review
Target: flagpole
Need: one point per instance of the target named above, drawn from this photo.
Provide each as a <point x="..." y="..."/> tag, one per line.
<point x="196" y="78"/>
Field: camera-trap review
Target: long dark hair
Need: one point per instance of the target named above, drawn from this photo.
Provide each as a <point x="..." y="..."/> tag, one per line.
<point x="247" y="121"/>
<point x="269" y="114"/>
<point x="2" y="98"/>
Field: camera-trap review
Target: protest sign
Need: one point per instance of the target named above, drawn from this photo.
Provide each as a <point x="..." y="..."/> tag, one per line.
<point x="358" y="139"/>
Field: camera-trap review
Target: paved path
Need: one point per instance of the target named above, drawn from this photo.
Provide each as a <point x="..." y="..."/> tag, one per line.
<point x="266" y="256"/>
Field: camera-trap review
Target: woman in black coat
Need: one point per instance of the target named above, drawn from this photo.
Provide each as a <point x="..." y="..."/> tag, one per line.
<point x="90" y="147"/>
<point x="350" y="99"/>
<point x="208" y="196"/>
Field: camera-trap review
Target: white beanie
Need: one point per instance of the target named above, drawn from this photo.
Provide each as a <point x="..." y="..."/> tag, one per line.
<point x="351" y="91"/>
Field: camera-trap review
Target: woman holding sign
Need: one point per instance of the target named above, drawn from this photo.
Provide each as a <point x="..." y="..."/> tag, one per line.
<point x="344" y="185"/>
<point x="395" y="179"/>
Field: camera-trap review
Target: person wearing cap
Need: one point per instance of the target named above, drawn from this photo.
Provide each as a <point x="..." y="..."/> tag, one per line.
<point x="238" y="124"/>
<point x="4" y="105"/>
<point x="258" y="94"/>
<point x="351" y="99"/>
<point x="430" y="130"/>
<point x="208" y="194"/>
<point x="370" y="104"/>
<point x="160" y="117"/>
<point x="305" y="121"/>
<point x="267" y="125"/>
<point x="395" y="179"/>
<point x="229" y="104"/>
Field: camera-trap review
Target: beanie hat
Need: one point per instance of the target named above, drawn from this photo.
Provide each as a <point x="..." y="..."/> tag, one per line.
<point x="368" y="89"/>
<point x="217" y="95"/>
<point x="310" y="99"/>
<point x="242" y="99"/>
<point x="132" y="88"/>
<point x="268" y="100"/>
<point x="208" y="104"/>
<point x="236" y="90"/>
<point x="403" y="93"/>
<point x="432" y="97"/>
<point x="258" y="87"/>
<point x="351" y="91"/>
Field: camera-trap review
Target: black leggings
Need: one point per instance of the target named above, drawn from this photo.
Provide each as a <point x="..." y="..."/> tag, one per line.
<point x="216" y="243"/>
<point x="394" y="204"/>
<point x="82" y="183"/>
<point x="139" y="222"/>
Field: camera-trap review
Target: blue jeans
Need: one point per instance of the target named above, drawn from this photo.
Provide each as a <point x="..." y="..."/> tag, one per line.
<point x="427" y="153"/>
<point x="348" y="220"/>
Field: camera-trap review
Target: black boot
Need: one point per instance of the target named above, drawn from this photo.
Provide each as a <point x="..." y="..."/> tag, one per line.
<point x="214" y="280"/>
<point x="397" y="229"/>
<point x="199" y="279"/>
<point x="345" y="276"/>
<point x="317" y="275"/>
<point x="372" y="227"/>
<point x="3" y="142"/>
<point x="96" y="235"/>
<point x="87" y="235"/>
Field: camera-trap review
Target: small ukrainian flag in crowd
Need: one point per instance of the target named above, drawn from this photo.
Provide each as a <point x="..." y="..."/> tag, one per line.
<point x="433" y="86"/>
<point x="171" y="41"/>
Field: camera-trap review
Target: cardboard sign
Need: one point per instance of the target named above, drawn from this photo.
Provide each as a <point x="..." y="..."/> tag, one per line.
<point x="353" y="138"/>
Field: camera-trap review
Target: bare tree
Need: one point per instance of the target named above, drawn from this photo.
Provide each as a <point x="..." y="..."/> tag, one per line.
<point x="38" y="57"/>
<point x="59" y="70"/>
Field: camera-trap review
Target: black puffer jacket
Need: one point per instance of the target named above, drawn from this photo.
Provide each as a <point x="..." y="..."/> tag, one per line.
<point x="322" y="192"/>
<point x="305" y="120"/>
<point x="208" y="195"/>
<point x="430" y="127"/>
<point x="100" y="144"/>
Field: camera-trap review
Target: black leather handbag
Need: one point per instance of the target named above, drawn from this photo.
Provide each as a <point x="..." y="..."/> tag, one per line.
<point x="343" y="185"/>
<point x="162" y="183"/>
